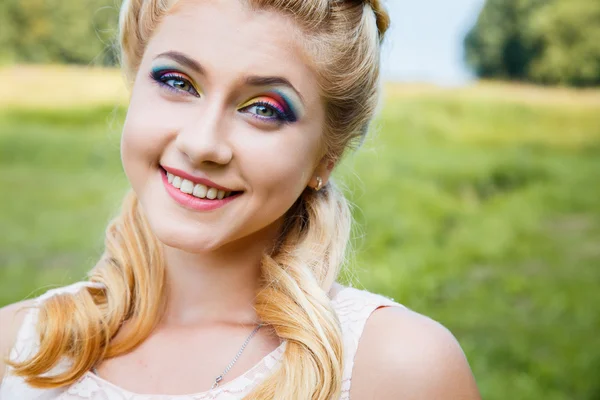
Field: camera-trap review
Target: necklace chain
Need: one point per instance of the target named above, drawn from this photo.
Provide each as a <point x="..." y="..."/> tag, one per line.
<point x="220" y="377"/>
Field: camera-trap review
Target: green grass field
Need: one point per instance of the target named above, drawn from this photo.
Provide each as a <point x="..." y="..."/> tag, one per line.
<point x="479" y="207"/>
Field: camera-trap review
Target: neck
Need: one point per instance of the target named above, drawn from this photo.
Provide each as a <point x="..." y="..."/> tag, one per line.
<point x="217" y="286"/>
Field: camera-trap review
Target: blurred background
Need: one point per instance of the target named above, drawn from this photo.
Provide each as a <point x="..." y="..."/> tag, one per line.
<point x="477" y="196"/>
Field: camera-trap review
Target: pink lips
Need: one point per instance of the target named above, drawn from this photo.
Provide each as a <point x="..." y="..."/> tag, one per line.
<point x="195" y="203"/>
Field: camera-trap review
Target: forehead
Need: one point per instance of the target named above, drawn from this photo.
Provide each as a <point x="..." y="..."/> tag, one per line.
<point x="231" y="40"/>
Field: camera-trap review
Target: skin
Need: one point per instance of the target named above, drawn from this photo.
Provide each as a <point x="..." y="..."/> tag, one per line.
<point x="203" y="122"/>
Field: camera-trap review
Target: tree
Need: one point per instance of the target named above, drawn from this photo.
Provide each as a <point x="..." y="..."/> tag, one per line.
<point x="569" y="33"/>
<point x="544" y="41"/>
<point x="68" y="31"/>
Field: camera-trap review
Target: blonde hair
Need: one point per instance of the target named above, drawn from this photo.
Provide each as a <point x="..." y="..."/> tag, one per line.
<point x="343" y="37"/>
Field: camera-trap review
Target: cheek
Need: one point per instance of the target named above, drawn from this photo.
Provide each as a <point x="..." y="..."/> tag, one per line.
<point x="141" y="136"/>
<point x="145" y="132"/>
<point x="279" y="164"/>
<point x="137" y="148"/>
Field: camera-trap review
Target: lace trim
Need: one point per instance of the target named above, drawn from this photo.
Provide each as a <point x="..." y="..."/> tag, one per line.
<point x="353" y="307"/>
<point x="91" y="386"/>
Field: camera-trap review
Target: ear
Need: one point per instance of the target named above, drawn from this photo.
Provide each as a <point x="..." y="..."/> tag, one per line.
<point x="323" y="170"/>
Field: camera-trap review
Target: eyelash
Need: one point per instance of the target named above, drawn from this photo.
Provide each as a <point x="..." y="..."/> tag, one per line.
<point x="162" y="77"/>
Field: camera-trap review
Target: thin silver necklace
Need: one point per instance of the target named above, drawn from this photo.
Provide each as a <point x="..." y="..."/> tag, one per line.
<point x="219" y="378"/>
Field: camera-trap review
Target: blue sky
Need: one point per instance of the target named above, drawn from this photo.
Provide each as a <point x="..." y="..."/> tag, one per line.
<point x="425" y="40"/>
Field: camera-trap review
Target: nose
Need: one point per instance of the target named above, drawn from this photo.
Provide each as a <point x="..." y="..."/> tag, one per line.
<point x="204" y="139"/>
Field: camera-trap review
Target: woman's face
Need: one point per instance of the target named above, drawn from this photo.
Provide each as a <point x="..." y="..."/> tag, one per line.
<point x="224" y="101"/>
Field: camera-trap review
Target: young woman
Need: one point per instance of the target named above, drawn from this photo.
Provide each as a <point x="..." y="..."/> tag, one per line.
<point x="218" y="278"/>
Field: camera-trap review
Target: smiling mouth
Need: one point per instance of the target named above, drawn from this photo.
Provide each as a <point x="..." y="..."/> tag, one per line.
<point x="197" y="190"/>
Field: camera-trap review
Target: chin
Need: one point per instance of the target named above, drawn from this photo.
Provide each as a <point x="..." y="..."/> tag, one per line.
<point x="188" y="244"/>
<point x="191" y="239"/>
<point x="192" y="247"/>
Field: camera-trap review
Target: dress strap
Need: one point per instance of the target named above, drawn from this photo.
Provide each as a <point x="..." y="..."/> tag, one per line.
<point x="354" y="306"/>
<point x="27" y="344"/>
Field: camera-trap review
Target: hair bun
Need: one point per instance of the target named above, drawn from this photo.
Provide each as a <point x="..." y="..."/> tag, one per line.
<point x="381" y="14"/>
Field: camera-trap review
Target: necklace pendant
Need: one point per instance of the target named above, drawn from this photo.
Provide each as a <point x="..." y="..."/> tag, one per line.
<point x="216" y="384"/>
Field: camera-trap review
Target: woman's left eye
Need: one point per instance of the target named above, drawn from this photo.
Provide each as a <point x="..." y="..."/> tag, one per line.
<point x="266" y="112"/>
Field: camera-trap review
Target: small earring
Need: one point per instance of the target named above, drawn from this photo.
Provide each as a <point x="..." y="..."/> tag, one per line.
<point x="319" y="183"/>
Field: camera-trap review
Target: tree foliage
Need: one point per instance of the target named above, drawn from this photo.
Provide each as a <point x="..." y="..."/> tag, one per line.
<point x="542" y="41"/>
<point x="60" y="31"/>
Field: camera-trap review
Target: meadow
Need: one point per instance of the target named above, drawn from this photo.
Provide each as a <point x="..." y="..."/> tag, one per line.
<point x="477" y="206"/>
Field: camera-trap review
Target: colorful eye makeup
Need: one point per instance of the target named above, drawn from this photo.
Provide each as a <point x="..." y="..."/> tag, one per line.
<point x="171" y="79"/>
<point x="276" y="102"/>
<point x="273" y="106"/>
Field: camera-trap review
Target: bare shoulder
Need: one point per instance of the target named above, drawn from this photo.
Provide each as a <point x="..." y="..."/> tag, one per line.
<point x="403" y="354"/>
<point x="11" y="318"/>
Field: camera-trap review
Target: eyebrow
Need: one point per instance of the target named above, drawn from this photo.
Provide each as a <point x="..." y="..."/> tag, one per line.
<point x="250" y="80"/>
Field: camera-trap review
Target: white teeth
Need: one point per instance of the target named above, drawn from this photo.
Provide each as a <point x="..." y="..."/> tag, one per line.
<point x="200" y="191"/>
<point x="177" y="182"/>
<point x="211" y="194"/>
<point x="187" y="186"/>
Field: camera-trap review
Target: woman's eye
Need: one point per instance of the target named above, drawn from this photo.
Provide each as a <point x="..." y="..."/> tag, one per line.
<point x="174" y="82"/>
<point x="264" y="111"/>
<point x="179" y="84"/>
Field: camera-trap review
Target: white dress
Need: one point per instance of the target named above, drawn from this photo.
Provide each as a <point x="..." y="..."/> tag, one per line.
<point x="353" y="307"/>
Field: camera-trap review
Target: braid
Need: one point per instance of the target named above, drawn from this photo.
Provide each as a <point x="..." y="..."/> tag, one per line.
<point x="293" y="297"/>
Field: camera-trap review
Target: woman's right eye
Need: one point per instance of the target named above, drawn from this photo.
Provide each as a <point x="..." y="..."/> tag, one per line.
<point x="175" y="82"/>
